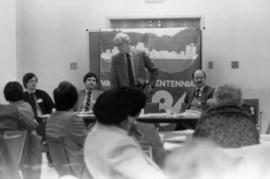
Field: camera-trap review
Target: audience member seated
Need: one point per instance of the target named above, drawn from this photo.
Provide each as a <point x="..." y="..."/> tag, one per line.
<point x="201" y="159"/>
<point x="228" y="126"/>
<point x="228" y="95"/>
<point x="110" y="149"/>
<point x="40" y="101"/>
<point x="88" y="96"/>
<point x="68" y="128"/>
<point x="198" y="97"/>
<point x="231" y="94"/>
<point x="11" y="118"/>
<point x="41" y="104"/>
<point x="31" y="158"/>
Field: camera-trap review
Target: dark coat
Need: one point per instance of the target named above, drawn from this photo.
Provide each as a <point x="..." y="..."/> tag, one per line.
<point x="207" y="93"/>
<point x="43" y="99"/>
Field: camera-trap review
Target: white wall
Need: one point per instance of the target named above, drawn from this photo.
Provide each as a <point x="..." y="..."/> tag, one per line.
<point x="53" y="35"/>
<point x="8" y="63"/>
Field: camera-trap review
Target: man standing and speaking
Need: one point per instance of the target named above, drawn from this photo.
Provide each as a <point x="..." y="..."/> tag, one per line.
<point x="129" y="66"/>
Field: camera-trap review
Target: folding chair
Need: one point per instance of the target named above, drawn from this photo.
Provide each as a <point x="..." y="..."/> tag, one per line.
<point x="11" y="148"/>
<point x="62" y="150"/>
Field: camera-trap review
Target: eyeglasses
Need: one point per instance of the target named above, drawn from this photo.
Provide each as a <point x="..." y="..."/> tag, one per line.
<point x="32" y="81"/>
<point x="121" y="44"/>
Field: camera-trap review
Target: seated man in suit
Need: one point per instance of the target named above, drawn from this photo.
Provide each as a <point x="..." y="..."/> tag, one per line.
<point x="129" y="66"/>
<point x="88" y="96"/>
<point x="197" y="99"/>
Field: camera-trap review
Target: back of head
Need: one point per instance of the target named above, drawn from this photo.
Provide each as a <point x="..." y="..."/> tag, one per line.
<point x="228" y="126"/>
<point x="65" y="96"/>
<point x="115" y="105"/>
<point x="13" y="91"/>
<point x="228" y="94"/>
<point x="27" y="77"/>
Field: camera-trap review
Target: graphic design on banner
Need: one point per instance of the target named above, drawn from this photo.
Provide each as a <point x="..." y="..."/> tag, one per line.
<point x="176" y="52"/>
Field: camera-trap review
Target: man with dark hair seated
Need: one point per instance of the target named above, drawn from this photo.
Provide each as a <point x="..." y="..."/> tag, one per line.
<point x="68" y="127"/>
<point x="88" y="96"/>
<point x="227" y="125"/>
<point x="111" y="150"/>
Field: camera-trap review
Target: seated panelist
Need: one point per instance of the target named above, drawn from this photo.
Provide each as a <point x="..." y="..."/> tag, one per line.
<point x="88" y="96"/>
<point x="199" y="96"/>
<point x="39" y="100"/>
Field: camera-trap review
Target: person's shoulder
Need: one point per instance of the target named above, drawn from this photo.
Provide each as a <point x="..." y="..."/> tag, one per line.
<point x="116" y="56"/>
<point x="81" y="91"/>
<point x="108" y="131"/>
<point x="41" y="92"/>
<point x="209" y="88"/>
<point x="22" y="103"/>
<point x="143" y="52"/>
<point x="98" y="91"/>
<point x="7" y="107"/>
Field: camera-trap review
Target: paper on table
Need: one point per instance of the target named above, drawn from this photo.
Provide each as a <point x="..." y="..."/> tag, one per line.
<point x="191" y="113"/>
<point x="176" y="139"/>
<point x="158" y="115"/>
<point x="171" y="146"/>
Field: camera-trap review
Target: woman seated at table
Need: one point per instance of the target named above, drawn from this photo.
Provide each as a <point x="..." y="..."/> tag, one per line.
<point x="110" y="150"/>
<point x="67" y="127"/>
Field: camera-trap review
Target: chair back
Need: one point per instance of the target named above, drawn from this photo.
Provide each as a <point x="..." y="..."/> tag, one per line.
<point x="252" y="107"/>
<point x="15" y="141"/>
<point x="58" y="154"/>
<point x="11" y="148"/>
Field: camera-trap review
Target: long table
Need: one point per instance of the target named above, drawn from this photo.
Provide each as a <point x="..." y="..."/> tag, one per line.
<point x="153" y="118"/>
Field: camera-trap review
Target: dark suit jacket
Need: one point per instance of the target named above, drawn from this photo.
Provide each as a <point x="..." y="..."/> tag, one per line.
<point x="46" y="104"/>
<point x="207" y="93"/>
<point x="119" y="76"/>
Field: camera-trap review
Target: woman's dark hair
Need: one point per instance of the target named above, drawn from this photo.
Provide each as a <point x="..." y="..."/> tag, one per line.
<point x="13" y="91"/>
<point x="65" y="96"/>
<point x="27" y="77"/>
<point x="89" y="75"/>
<point x="115" y="105"/>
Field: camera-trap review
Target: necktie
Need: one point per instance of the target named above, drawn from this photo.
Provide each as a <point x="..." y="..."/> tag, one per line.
<point x="88" y="101"/>
<point x="130" y="74"/>
<point x="197" y="93"/>
<point x="32" y="101"/>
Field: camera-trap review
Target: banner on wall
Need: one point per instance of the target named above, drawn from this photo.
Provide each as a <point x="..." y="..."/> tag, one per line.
<point x="176" y="52"/>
